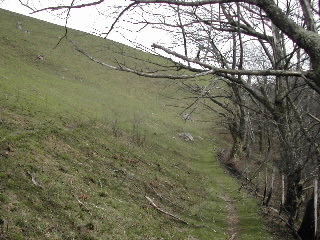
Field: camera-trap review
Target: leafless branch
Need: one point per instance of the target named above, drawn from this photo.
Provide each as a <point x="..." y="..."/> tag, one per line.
<point x="314" y="117"/>
<point x="26" y="5"/>
<point x="119" y="16"/>
<point x="69" y="6"/>
<point x="232" y="71"/>
<point x="65" y="27"/>
<point x="140" y="73"/>
<point x="193" y="4"/>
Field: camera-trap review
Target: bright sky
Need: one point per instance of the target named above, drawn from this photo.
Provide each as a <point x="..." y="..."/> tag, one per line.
<point x="94" y="19"/>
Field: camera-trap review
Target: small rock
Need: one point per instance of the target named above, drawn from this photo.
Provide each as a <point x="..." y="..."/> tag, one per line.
<point x="186" y="117"/>
<point x="40" y="57"/>
<point x="186" y="136"/>
<point x="19" y="25"/>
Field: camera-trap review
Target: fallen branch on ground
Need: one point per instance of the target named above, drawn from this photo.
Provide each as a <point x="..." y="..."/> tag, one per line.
<point x="233" y="236"/>
<point x="166" y="213"/>
<point x="82" y="204"/>
<point x="98" y="207"/>
<point x="173" y="216"/>
<point x="282" y="218"/>
<point x="166" y="199"/>
<point x="33" y="179"/>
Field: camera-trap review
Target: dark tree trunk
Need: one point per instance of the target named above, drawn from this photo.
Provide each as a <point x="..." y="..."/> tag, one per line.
<point x="294" y="194"/>
<point x="238" y="125"/>
<point x="306" y="230"/>
<point x="237" y="148"/>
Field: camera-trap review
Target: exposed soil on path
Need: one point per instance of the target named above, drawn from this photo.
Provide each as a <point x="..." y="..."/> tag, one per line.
<point x="232" y="217"/>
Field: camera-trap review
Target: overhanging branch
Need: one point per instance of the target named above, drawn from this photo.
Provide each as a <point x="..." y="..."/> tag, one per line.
<point x="69" y="6"/>
<point x="194" y="3"/>
<point x="233" y="71"/>
<point x="141" y="73"/>
<point x="210" y="69"/>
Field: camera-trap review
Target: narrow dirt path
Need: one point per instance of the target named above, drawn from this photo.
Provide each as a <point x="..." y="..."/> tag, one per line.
<point x="232" y="217"/>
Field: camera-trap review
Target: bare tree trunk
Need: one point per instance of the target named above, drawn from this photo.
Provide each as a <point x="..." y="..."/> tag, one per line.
<point x="265" y="186"/>
<point x="309" y="226"/>
<point x="294" y="194"/>
<point x="306" y="230"/>
<point x="282" y="193"/>
<point x="238" y="125"/>
<point x="316" y="209"/>
<point x="270" y="188"/>
<point x="237" y="148"/>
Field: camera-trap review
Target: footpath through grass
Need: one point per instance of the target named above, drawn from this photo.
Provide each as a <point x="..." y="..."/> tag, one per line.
<point x="81" y="147"/>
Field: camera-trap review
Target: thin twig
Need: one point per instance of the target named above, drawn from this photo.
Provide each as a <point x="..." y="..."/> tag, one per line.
<point x="65" y="36"/>
<point x="166" y="213"/>
<point x="314" y="117"/>
<point x="81" y="203"/>
<point x="119" y="16"/>
<point x="175" y="217"/>
<point x="166" y="199"/>
<point x="68" y="6"/>
<point x="233" y="236"/>
<point x="33" y="179"/>
<point x="98" y="207"/>
<point x="26" y="5"/>
<point x="286" y="222"/>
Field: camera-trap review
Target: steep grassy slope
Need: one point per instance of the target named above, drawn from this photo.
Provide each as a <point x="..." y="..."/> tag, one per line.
<point x="81" y="147"/>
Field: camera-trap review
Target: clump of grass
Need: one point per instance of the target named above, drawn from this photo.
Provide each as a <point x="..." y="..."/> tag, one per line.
<point x="116" y="131"/>
<point x="138" y="137"/>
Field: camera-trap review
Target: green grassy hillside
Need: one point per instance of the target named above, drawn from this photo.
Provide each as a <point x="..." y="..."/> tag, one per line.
<point x="82" y="147"/>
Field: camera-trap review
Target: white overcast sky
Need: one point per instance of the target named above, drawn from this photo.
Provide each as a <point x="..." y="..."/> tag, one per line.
<point x="88" y="19"/>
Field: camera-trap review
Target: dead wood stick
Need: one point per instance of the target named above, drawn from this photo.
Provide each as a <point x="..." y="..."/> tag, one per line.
<point x="315" y="206"/>
<point x="98" y="207"/>
<point x="164" y="212"/>
<point x="282" y="218"/>
<point x="233" y="236"/>
<point x="33" y="179"/>
<point x="82" y="204"/>
<point x="166" y="199"/>
<point x="175" y="217"/>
